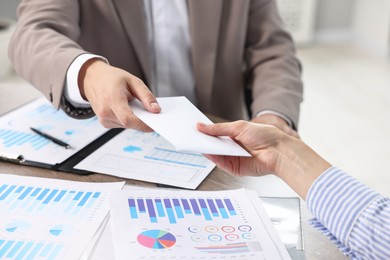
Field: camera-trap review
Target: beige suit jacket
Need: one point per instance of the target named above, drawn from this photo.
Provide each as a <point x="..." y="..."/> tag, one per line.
<point x="236" y="44"/>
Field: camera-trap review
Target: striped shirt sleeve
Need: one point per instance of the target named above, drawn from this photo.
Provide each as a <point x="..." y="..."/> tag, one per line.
<point x="353" y="216"/>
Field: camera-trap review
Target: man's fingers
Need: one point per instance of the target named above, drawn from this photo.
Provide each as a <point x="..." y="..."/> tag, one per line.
<point x="143" y="94"/>
<point x="127" y="119"/>
<point x="134" y="122"/>
<point x="121" y="116"/>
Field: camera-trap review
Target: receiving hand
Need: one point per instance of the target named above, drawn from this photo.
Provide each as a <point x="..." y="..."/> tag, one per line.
<point x="261" y="141"/>
<point x="109" y="90"/>
<point x="272" y="150"/>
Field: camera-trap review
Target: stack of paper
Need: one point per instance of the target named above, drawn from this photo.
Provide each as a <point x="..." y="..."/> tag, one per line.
<point x="51" y="219"/>
<point x="156" y="224"/>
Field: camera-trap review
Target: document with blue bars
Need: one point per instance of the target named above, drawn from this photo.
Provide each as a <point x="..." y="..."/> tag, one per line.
<point x="165" y="224"/>
<point x="50" y="219"/>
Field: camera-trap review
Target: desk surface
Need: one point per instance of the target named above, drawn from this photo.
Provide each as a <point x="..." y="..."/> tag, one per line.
<point x="316" y="245"/>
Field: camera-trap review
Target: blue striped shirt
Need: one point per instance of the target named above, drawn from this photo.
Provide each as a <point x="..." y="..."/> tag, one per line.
<point x="353" y="216"/>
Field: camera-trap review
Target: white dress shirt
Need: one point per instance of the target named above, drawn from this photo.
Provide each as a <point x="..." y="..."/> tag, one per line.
<point x="170" y="44"/>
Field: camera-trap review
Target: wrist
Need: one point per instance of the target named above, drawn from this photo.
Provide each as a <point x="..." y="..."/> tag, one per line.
<point x="286" y="150"/>
<point x="86" y="72"/>
<point x="299" y="166"/>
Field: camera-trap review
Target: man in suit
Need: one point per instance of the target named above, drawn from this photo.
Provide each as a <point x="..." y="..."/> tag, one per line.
<point x="101" y="54"/>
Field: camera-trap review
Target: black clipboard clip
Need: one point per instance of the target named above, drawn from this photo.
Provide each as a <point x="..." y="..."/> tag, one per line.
<point x="11" y="158"/>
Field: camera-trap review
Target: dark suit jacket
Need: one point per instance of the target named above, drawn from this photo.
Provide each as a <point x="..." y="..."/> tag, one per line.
<point x="235" y="44"/>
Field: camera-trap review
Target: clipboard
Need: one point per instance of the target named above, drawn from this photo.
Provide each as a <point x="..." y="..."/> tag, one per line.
<point x="18" y="144"/>
<point x="124" y="153"/>
<point x="68" y="164"/>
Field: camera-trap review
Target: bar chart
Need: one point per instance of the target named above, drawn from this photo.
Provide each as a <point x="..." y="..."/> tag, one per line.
<point x="171" y="156"/>
<point x="49" y="201"/>
<point x="156" y="148"/>
<point x="176" y="209"/>
<point x="48" y="218"/>
<point x="16" y="136"/>
<point x="44" y="117"/>
<point x="14" y="249"/>
<point x="149" y="157"/>
<point x="231" y="248"/>
<point x="12" y="138"/>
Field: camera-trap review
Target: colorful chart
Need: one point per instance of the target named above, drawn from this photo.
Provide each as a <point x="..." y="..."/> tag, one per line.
<point x="156" y="239"/>
<point x="179" y="208"/>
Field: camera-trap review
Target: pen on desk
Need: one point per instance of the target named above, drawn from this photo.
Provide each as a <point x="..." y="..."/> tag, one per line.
<point x="51" y="138"/>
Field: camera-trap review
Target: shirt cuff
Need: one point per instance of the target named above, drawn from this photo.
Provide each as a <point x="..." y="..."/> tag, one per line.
<point x="271" y="112"/>
<point x="72" y="91"/>
<point x="347" y="251"/>
<point x="337" y="200"/>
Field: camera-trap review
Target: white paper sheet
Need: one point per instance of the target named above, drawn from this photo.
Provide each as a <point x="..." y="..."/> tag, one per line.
<point x="157" y="224"/>
<point x="17" y="138"/>
<point x="148" y="157"/>
<point x="104" y="248"/>
<point x="48" y="218"/>
<point x="177" y="123"/>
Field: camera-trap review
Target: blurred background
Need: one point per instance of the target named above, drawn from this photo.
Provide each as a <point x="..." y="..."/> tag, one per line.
<point x="344" y="49"/>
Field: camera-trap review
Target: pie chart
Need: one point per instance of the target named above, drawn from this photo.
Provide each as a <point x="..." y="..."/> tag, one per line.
<point x="156" y="239"/>
<point x="17" y="225"/>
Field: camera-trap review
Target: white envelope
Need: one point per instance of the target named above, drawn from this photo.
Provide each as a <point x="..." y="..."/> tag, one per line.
<point x="177" y="123"/>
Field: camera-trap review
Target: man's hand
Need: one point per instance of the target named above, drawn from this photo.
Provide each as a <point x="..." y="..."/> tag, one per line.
<point x="109" y="90"/>
<point x="269" y="119"/>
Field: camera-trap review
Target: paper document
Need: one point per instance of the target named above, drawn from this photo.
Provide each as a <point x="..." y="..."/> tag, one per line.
<point x="50" y="219"/>
<point x="156" y="224"/>
<point x="17" y="138"/>
<point x="148" y="157"/>
<point x="177" y="123"/>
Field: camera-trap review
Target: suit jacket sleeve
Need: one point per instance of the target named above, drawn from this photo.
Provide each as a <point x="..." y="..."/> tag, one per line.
<point x="273" y="71"/>
<point x="43" y="45"/>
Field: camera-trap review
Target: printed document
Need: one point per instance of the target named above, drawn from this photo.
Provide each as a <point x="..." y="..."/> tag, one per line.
<point x="148" y="157"/>
<point x="17" y="138"/>
<point x="156" y="224"/>
<point x="50" y="219"/>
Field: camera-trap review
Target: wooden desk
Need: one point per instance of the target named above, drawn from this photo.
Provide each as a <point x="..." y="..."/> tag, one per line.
<point x="317" y="246"/>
